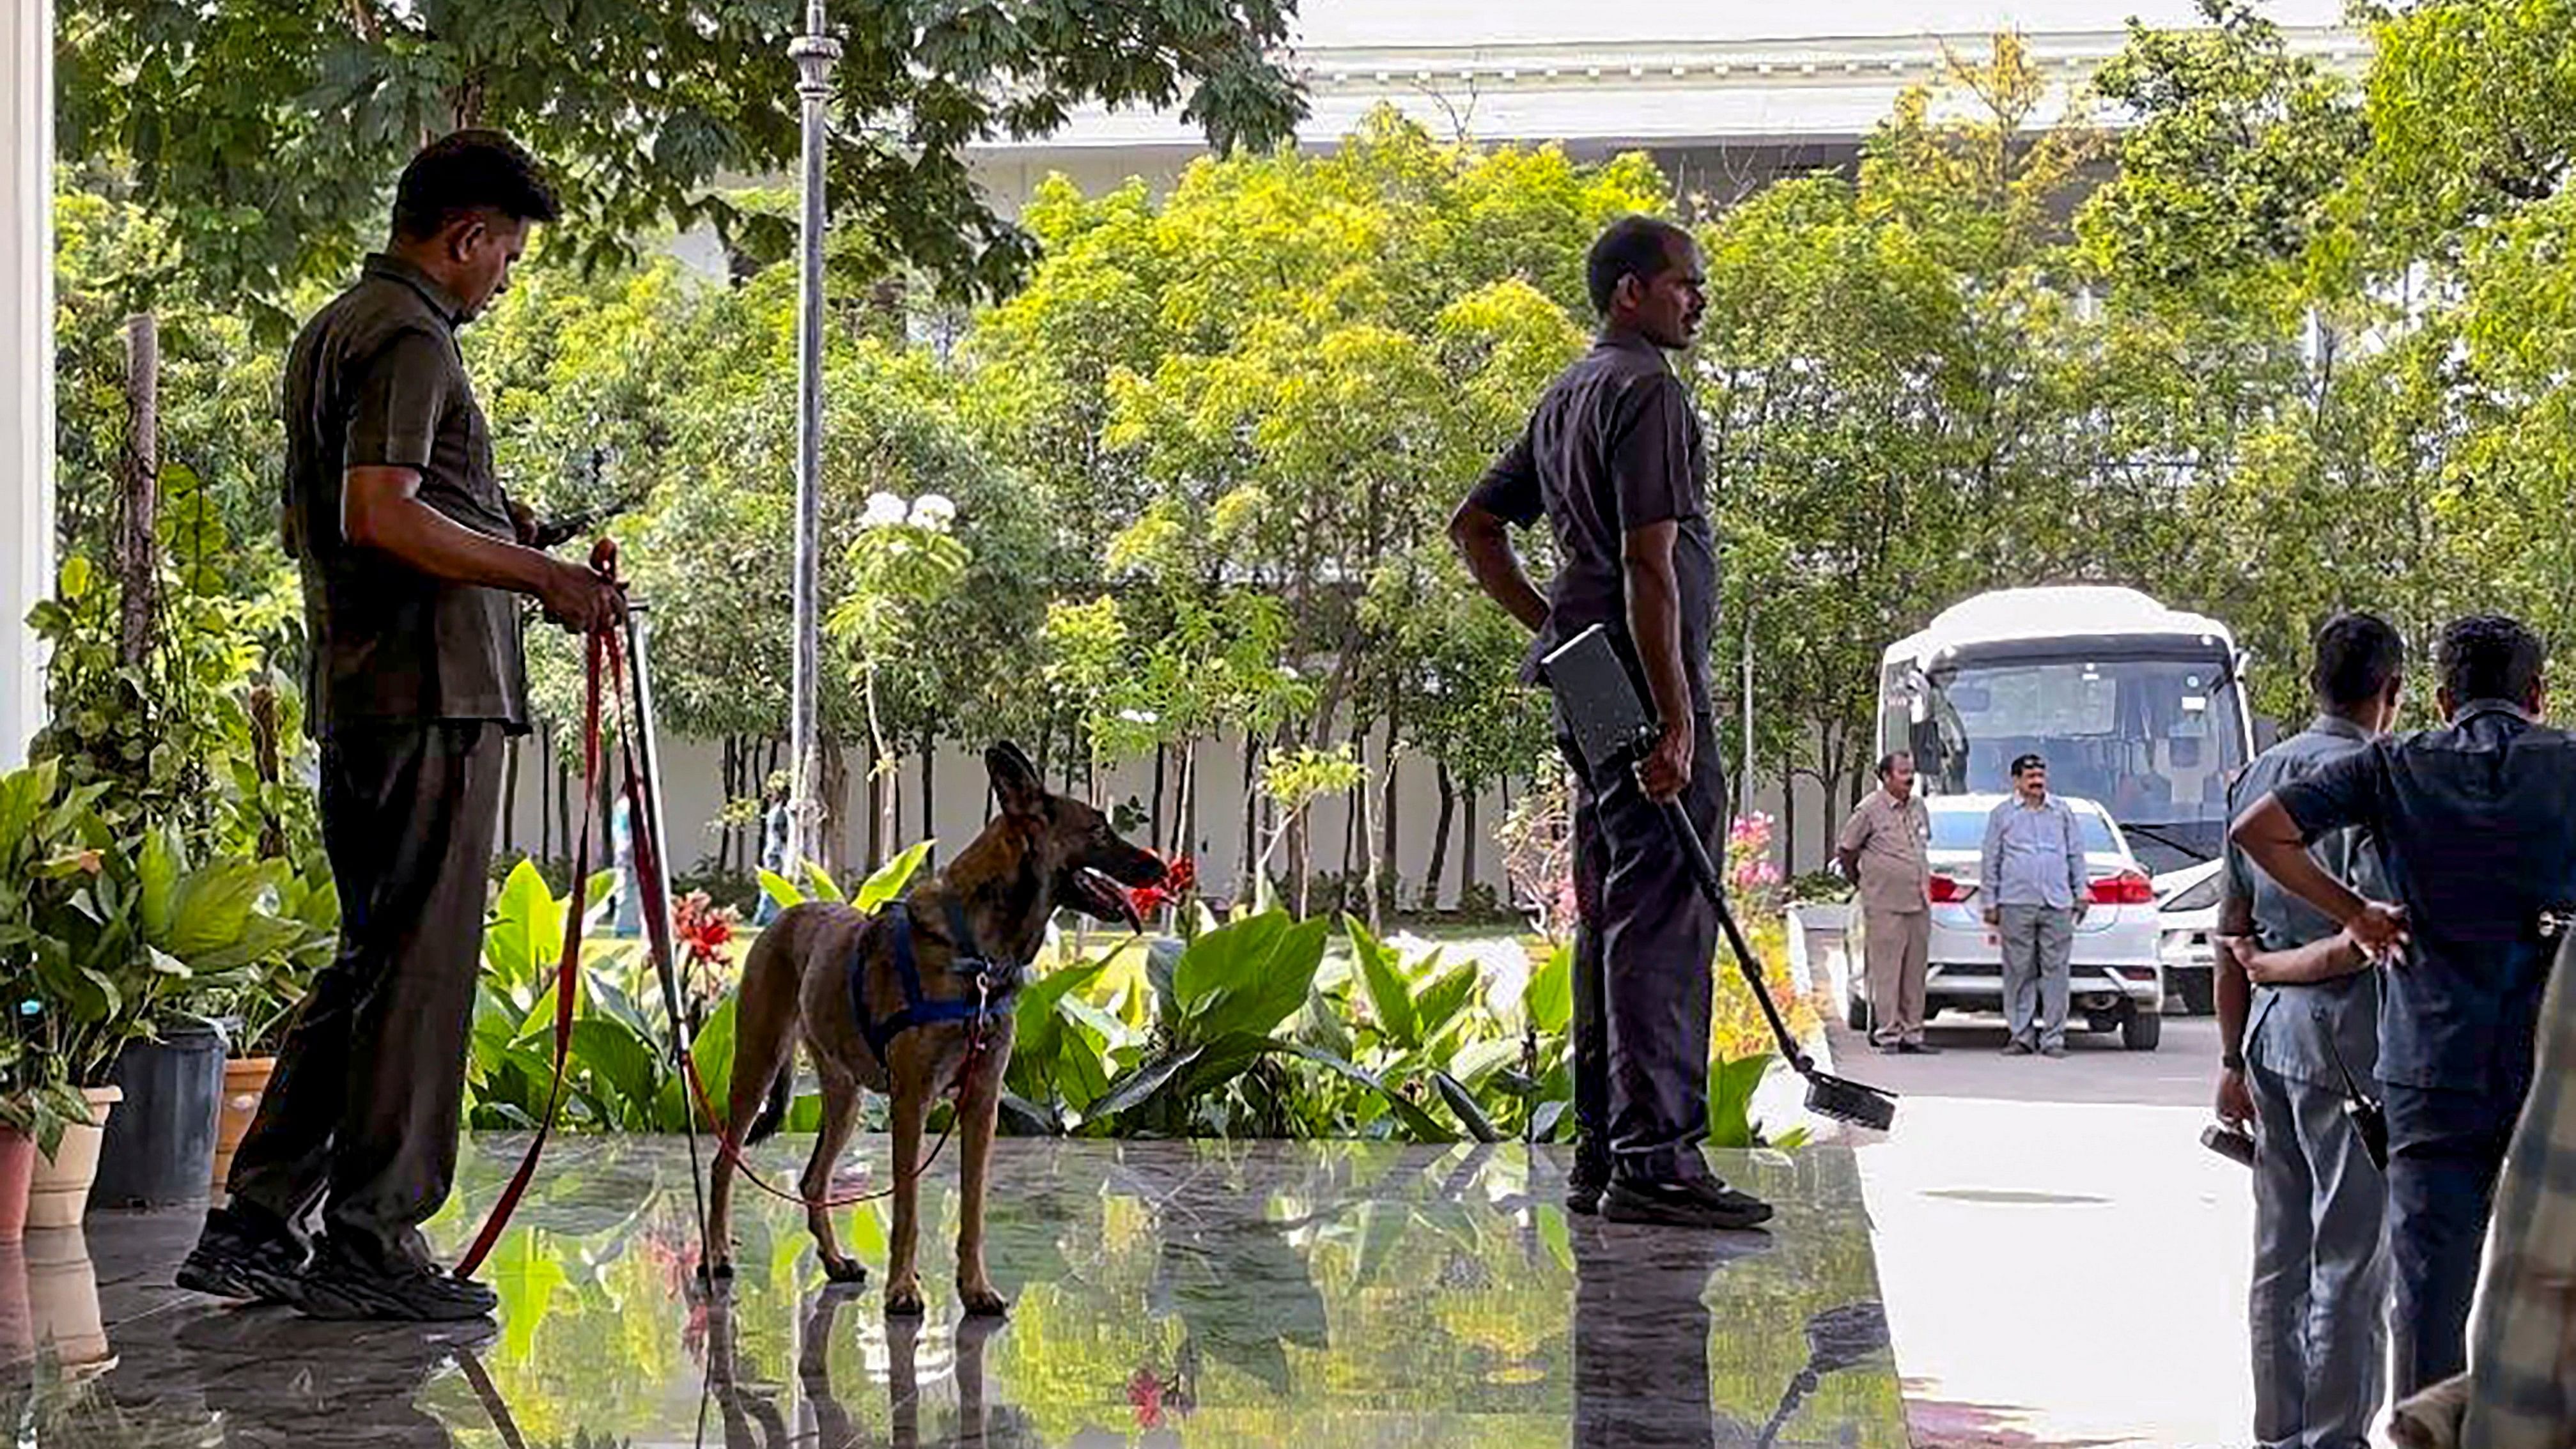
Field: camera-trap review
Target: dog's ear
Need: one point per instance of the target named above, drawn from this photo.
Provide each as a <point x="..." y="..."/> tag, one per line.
<point x="1015" y="780"/>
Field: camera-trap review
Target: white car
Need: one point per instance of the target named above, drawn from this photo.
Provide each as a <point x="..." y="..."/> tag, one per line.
<point x="2187" y="913"/>
<point x="2116" y="978"/>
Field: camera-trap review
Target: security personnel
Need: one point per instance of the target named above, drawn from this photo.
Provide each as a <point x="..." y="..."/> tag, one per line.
<point x="1883" y="849"/>
<point x="410" y="554"/>
<point x="1611" y="459"/>
<point x="2300" y="1031"/>
<point x="2476" y="827"/>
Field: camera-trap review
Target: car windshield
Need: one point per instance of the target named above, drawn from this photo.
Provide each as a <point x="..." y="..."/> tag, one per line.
<point x="2156" y="741"/>
<point x="1966" y="830"/>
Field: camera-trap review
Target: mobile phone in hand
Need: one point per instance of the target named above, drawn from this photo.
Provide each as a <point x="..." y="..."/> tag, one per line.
<point x="2229" y="1142"/>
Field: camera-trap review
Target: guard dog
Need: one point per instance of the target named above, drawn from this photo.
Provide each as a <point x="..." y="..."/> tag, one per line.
<point x="898" y="1003"/>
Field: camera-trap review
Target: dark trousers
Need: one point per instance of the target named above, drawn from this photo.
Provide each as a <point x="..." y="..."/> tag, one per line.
<point x="362" y="1113"/>
<point x="1642" y="946"/>
<point x="2444" y="1151"/>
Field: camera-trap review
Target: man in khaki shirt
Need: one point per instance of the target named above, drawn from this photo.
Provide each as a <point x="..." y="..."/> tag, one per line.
<point x="1882" y="846"/>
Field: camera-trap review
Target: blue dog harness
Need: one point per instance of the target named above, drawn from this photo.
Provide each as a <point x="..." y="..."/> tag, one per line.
<point x="996" y="982"/>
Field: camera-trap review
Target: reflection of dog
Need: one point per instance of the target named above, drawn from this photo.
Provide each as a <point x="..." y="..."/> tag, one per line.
<point x="752" y="1419"/>
<point x="895" y="1002"/>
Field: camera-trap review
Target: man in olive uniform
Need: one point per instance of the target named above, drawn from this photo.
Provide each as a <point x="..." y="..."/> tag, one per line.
<point x="1611" y="459"/>
<point x="410" y="556"/>
<point x="1884" y="848"/>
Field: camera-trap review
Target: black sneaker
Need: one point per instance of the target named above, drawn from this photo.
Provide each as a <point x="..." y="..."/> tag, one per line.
<point x="341" y="1284"/>
<point x="1699" y="1203"/>
<point x="1917" y="1049"/>
<point x="2016" y="1048"/>
<point x="241" y="1256"/>
<point x="1583" y="1189"/>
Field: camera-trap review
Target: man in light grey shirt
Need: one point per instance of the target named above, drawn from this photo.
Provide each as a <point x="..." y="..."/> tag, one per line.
<point x="2033" y="878"/>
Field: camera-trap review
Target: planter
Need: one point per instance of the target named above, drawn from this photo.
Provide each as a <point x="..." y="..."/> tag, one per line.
<point x="58" y="1193"/>
<point x="62" y="1297"/>
<point x="17" y="1170"/>
<point x="245" y="1082"/>
<point x="160" y="1146"/>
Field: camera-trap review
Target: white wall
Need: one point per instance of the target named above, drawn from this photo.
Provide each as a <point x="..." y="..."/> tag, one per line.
<point x="26" y="359"/>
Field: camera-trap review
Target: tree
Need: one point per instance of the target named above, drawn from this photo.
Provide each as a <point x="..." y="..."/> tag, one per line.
<point x="267" y="135"/>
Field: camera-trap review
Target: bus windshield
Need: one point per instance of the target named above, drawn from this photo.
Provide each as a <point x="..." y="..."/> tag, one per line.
<point x="2155" y="741"/>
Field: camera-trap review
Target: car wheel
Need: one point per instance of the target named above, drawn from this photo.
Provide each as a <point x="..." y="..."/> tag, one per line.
<point x="1856" y="1013"/>
<point x="2142" y="1031"/>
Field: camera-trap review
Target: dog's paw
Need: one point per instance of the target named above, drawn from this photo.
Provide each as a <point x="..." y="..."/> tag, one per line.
<point x="983" y="1302"/>
<point x="845" y="1270"/>
<point x="903" y="1300"/>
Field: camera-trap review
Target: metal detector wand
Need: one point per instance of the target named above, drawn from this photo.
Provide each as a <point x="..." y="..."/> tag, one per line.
<point x="648" y="768"/>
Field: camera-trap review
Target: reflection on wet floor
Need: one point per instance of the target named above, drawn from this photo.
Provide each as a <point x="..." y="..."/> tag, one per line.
<point x="1209" y="1294"/>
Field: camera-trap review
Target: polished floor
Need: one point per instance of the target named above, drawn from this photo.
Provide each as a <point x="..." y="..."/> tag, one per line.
<point x="1199" y="1294"/>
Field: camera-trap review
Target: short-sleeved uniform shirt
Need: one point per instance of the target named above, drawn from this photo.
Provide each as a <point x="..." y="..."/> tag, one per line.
<point x="1613" y="446"/>
<point x="2476" y="828"/>
<point x="2313" y="1031"/>
<point x="1891" y="837"/>
<point x="375" y="380"/>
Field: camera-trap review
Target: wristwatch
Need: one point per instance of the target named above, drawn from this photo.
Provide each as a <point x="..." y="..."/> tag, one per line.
<point x="2232" y="1061"/>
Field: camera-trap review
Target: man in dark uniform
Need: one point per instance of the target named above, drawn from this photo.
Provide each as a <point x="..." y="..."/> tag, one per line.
<point x="2298" y="1019"/>
<point x="410" y="554"/>
<point x="2476" y="828"/>
<point x="1611" y="459"/>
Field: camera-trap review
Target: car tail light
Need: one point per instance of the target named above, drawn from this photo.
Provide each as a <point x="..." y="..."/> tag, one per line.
<point x="1945" y="891"/>
<point x="2128" y="888"/>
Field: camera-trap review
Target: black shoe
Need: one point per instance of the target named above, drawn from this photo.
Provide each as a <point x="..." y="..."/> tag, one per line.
<point x="2016" y="1048"/>
<point x="2052" y="1050"/>
<point x="1699" y="1203"/>
<point x="240" y="1255"/>
<point x="1583" y="1188"/>
<point x="1917" y="1049"/>
<point x="1887" y="1048"/>
<point x="342" y="1284"/>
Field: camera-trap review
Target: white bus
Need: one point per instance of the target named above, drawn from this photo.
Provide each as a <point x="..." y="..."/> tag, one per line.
<point x="2136" y="706"/>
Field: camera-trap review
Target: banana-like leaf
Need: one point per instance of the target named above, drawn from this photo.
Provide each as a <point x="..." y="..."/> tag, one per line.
<point x="1390" y="1000"/>
<point x="1463" y="1102"/>
<point x="891" y="878"/>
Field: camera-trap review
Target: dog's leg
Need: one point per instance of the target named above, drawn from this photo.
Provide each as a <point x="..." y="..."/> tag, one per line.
<point x="840" y="1116"/>
<point x="974" y="1421"/>
<point x="903" y="1382"/>
<point x="977" y="1106"/>
<point x="903" y="1275"/>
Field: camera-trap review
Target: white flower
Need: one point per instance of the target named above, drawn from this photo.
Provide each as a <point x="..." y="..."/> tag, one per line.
<point x="884" y="510"/>
<point x="1137" y="716"/>
<point x="933" y="511"/>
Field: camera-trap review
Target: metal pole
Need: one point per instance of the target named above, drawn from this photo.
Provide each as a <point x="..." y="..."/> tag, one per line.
<point x="814" y="53"/>
<point x="658" y="925"/>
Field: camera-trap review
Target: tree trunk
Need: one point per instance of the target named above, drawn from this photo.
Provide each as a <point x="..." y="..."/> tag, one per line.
<point x="1154" y="828"/>
<point x="1383" y="879"/>
<point x="1439" y="837"/>
<point x="509" y="798"/>
<point x="563" y="805"/>
<point x="1467" y="848"/>
<point x="137" y="554"/>
<point x="929" y="779"/>
<point x="1351" y="836"/>
<point x="1374" y="911"/>
<point x="1186" y="812"/>
<point x="545" y="803"/>
<point x="833" y="796"/>
<point x="731" y="773"/>
<point x="1788" y="808"/>
<point x="1248" y="861"/>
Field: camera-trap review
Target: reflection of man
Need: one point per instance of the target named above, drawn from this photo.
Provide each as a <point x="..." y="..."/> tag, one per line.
<point x="2320" y="1264"/>
<point x="2476" y="824"/>
<point x="1883" y="847"/>
<point x="2032" y="875"/>
<point x="1611" y="459"/>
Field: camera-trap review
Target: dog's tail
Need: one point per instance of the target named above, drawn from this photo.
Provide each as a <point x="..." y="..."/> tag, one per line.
<point x="773" y="1111"/>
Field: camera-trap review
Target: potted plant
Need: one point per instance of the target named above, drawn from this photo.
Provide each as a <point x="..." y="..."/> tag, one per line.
<point x="109" y="934"/>
<point x="259" y="1008"/>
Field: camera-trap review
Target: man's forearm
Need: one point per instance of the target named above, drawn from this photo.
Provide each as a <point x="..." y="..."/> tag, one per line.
<point x="2229" y="988"/>
<point x="2271" y="839"/>
<point x="425" y="539"/>
<point x="1655" y="623"/>
<point x="2324" y="959"/>
<point x="1485" y="544"/>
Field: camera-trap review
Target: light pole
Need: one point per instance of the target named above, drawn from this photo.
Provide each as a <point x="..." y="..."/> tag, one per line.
<point x="814" y="53"/>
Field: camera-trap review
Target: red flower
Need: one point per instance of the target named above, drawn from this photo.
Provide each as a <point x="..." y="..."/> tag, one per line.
<point x="1180" y="875"/>
<point x="1145" y="1391"/>
<point x="704" y="928"/>
<point x="1148" y="899"/>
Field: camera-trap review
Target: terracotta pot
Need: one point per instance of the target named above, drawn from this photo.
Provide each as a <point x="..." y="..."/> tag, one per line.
<point x="245" y="1082"/>
<point x="17" y="1170"/>
<point x="58" y="1193"/>
<point x="62" y="1296"/>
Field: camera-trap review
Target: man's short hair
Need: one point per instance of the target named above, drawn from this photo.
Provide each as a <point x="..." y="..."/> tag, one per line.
<point x="2024" y="764"/>
<point x="464" y="172"/>
<point x="2488" y="656"/>
<point x="1887" y="762"/>
<point x="1633" y="246"/>
<point x="2358" y="656"/>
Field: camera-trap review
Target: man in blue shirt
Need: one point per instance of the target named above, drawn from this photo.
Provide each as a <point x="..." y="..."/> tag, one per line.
<point x="2476" y="825"/>
<point x="2298" y="1015"/>
<point x="2033" y="878"/>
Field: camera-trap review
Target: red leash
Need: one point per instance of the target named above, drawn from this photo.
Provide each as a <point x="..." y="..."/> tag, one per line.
<point x="604" y="659"/>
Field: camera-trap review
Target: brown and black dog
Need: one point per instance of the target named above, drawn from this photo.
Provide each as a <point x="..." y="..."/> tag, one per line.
<point x="1041" y="852"/>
